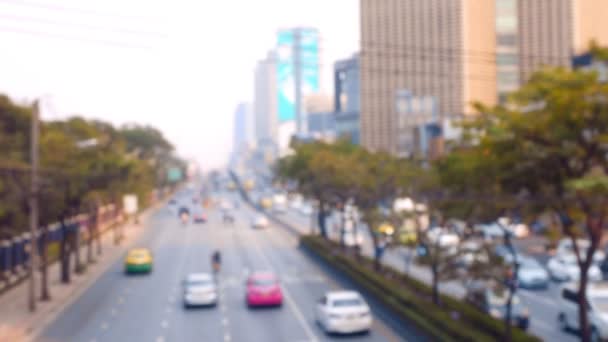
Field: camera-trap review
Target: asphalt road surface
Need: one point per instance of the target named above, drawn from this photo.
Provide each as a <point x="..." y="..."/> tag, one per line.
<point x="149" y="307"/>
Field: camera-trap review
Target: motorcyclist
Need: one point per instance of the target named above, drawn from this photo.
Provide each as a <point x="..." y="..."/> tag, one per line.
<point x="216" y="260"/>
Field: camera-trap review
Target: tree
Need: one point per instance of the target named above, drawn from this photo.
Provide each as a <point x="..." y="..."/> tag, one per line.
<point x="549" y="143"/>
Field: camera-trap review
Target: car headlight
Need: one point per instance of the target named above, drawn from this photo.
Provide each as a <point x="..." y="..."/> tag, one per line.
<point x="495" y="313"/>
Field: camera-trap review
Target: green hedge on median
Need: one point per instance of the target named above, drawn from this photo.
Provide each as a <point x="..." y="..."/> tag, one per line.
<point x="406" y="297"/>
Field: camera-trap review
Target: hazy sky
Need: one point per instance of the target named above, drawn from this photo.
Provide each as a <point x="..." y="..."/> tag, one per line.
<point x="179" y="65"/>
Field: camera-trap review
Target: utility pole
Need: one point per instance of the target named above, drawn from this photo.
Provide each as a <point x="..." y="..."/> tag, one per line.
<point x="34" y="154"/>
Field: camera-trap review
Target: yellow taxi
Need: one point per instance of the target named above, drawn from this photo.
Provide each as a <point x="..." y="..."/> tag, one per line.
<point x="266" y="203"/>
<point x="139" y="260"/>
<point x="386" y="229"/>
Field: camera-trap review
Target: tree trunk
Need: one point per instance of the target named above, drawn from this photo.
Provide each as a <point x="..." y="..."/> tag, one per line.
<point x="435" y="283"/>
<point x="321" y="218"/>
<point x="507" y="321"/>
<point x="342" y="226"/>
<point x="64" y="252"/>
<point x="582" y="302"/>
<point x="78" y="267"/>
<point x="92" y="222"/>
<point x="98" y="230"/>
<point x="44" y="270"/>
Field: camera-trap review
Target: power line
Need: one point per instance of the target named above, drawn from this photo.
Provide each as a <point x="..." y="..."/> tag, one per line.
<point x="44" y="21"/>
<point x="73" y="38"/>
<point x="63" y="9"/>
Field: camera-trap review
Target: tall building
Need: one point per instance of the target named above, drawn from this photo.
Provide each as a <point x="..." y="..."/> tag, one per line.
<point x="243" y="133"/>
<point x="551" y="32"/>
<point x="427" y="48"/>
<point x="347" y="104"/>
<point x="507" y="48"/>
<point x="265" y="101"/>
<point x="298" y="73"/>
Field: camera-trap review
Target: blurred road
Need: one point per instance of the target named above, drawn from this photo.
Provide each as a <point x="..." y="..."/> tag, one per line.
<point x="542" y="304"/>
<point x="149" y="307"/>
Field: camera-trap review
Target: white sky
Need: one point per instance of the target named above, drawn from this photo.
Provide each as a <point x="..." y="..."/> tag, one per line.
<point x="180" y="65"/>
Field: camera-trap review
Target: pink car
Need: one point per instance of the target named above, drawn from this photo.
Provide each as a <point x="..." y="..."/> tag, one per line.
<point x="263" y="289"/>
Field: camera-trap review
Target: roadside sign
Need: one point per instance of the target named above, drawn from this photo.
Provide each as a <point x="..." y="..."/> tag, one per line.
<point x="129" y="203"/>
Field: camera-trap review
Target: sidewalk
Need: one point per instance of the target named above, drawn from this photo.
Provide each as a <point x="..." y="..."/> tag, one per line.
<point x="18" y="324"/>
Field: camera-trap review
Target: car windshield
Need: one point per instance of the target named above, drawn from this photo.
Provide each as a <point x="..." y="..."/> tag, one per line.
<point x="199" y="282"/>
<point x="263" y="281"/>
<point x="530" y="263"/>
<point x="340" y="303"/>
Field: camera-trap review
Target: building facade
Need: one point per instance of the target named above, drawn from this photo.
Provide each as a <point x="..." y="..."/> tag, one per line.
<point x="243" y="133"/>
<point x="347" y="104"/>
<point x="427" y="47"/>
<point x="298" y="75"/>
<point x="551" y="32"/>
<point x="265" y="101"/>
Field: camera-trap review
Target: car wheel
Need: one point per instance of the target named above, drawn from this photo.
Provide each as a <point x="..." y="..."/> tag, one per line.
<point x="563" y="322"/>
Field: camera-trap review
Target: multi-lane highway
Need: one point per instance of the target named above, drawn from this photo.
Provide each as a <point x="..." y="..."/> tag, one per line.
<point x="149" y="307"/>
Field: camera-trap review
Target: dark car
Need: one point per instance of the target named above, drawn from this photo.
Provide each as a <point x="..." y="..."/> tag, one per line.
<point x="493" y="301"/>
<point x="184" y="210"/>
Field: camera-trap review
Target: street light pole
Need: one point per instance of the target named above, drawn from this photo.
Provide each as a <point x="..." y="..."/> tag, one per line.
<point x="33" y="204"/>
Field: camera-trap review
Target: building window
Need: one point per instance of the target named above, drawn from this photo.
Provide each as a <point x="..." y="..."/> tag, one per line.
<point x="507" y="39"/>
<point x="506" y="59"/>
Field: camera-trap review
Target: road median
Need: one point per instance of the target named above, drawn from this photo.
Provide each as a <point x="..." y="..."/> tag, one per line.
<point x="409" y="299"/>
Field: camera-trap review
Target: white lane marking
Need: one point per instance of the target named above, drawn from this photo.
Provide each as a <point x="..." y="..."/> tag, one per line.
<point x="226" y="337"/>
<point x="164" y="324"/>
<point x="121" y="300"/>
<point x="225" y="322"/>
<point x="160" y="339"/>
<point x="104" y="326"/>
<point x="169" y="309"/>
<point x="113" y="312"/>
<point x="290" y="302"/>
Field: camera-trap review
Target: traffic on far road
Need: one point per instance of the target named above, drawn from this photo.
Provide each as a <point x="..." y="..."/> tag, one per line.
<point x="221" y="281"/>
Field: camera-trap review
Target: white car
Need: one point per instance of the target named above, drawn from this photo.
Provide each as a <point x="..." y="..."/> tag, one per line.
<point x="563" y="267"/>
<point x="597" y="297"/>
<point x="564" y="246"/>
<point x="344" y="312"/>
<point x="443" y="237"/>
<point x="306" y="209"/>
<point x="199" y="290"/>
<point x="531" y="274"/>
<point x="260" y="221"/>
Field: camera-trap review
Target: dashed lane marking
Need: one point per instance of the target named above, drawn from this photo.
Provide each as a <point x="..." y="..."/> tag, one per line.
<point x="104" y="326"/>
<point x="164" y="324"/>
<point x="160" y="339"/>
<point x="225" y="321"/>
<point x="227" y="337"/>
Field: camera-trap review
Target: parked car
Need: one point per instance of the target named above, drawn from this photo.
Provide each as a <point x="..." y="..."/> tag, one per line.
<point x="564" y="246"/>
<point x="472" y="252"/>
<point x="531" y="274"/>
<point x="564" y="267"/>
<point x="306" y="209"/>
<point x="199" y="290"/>
<point x="493" y="301"/>
<point x="343" y="312"/>
<point x="491" y="232"/>
<point x="597" y="299"/>
<point x="443" y="237"/>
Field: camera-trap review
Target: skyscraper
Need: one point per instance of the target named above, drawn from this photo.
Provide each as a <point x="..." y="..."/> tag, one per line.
<point x="297" y="76"/>
<point x="428" y="48"/>
<point x="265" y="101"/>
<point x="242" y="136"/>
<point x="550" y="32"/>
